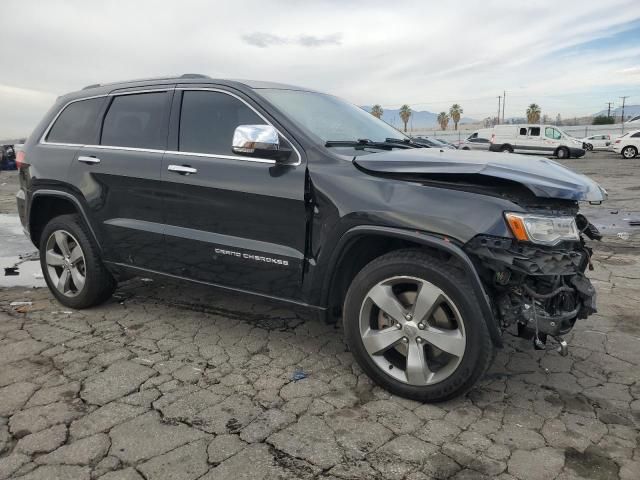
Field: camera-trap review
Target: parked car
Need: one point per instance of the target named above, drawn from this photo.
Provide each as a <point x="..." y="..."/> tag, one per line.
<point x="535" y="139"/>
<point x="454" y="145"/>
<point x="430" y="142"/>
<point x="628" y="145"/>
<point x="633" y="122"/>
<point x="279" y="192"/>
<point x="479" y="140"/>
<point x="596" y="142"/>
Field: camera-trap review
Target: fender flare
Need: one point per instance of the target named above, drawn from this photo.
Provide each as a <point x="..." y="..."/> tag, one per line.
<point x="429" y="240"/>
<point x="44" y="192"/>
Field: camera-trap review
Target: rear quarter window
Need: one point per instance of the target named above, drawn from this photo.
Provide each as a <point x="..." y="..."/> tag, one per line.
<point x="76" y="124"/>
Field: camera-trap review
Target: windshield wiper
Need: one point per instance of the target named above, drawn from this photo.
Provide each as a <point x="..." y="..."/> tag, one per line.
<point x="362" y="143"/>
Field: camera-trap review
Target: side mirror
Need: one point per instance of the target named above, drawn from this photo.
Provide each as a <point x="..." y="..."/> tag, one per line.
<point x="256" y="141"/>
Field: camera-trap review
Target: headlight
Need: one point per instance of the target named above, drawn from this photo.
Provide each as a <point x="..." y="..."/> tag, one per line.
<point x="541" y="229"/>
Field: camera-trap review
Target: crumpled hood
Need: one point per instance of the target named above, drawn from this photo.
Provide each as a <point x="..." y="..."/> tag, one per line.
<point x="544" y="177"/>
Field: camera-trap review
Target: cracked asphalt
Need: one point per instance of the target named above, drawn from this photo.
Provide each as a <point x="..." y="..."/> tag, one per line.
<point x="169" y="381"/>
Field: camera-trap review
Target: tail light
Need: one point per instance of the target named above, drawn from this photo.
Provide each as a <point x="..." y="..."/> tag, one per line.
<point x="617" y="141"/>
<point x="21" y="159"/>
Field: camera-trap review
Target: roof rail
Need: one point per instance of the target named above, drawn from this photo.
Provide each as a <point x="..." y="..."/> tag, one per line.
<point x="194" y="75"/>
<point x="184" y="75"/>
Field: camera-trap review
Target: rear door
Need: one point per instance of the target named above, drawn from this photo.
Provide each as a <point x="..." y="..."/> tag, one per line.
<point x="232" y="220"/>
<point x="119" y="176"/>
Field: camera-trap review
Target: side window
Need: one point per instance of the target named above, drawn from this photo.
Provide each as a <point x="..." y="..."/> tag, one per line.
<point x="475" y="135"/>
<point x="523" y="131"/>
<point x="636" y="135"/>
<point x="208" y="120"/>
<point x="136" y="120"/>
<point x="77" y="122"/>
<point x="534" y="131"/>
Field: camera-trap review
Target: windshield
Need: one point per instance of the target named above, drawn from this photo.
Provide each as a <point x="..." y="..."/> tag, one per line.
<point x="328" y="117"/>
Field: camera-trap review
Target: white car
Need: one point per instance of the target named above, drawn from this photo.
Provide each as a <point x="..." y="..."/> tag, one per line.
<point x="596" y="142"/>
<point x="478" y="140"/>
<point x="628" y="145"/>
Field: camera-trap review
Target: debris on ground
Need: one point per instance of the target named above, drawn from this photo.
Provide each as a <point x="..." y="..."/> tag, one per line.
<point x="299" y="374"/>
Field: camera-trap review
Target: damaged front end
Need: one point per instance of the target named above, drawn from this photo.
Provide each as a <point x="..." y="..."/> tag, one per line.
<point x="540" y="289"/>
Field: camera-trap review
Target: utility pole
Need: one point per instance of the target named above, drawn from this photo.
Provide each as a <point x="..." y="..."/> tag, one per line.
<point x="499" y="98"/>
<point x="504" y="102"/>
<point x="623" y="99"/>
<point x="609" y="109"/>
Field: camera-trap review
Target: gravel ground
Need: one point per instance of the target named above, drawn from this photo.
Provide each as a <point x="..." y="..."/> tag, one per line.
<point x="183" y="382"/>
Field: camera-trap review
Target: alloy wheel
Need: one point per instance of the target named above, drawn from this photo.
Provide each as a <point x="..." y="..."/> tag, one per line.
<point x="629" y="152"/>
<point x="65" y="262"/>
<point x="412" y="330"/>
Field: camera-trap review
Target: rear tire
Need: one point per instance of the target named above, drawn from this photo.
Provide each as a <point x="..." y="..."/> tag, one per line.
<point x="562" y="153"/>
<point x="506" y="149"/>
<point x="71" y="264"/>
<point x="629" y="152"/>
<point x="441" y="373"/>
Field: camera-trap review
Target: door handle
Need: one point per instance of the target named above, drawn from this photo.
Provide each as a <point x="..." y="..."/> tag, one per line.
<point x="85" y="159"/>
<point x="182" y="169"/>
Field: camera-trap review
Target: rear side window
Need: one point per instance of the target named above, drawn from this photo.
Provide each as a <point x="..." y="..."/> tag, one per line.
<point x="523" y="131"/>
<point x="534" y="131"/>
<point x="76" y="124"/>
<point x="208" y="120"/>
<point x="137" y="121"/>
<point x="636" y="135"/>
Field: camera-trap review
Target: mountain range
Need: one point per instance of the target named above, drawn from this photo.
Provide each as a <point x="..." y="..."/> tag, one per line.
<point x="629" y="111"/>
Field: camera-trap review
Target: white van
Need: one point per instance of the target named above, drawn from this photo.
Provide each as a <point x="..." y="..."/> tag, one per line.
<point x="535" y="139"/>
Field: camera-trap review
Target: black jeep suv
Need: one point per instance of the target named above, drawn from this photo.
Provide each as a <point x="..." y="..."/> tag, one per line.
<point x="294" y="195"/>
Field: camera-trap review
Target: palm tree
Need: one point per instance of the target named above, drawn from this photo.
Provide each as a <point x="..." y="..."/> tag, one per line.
<point x="377" y="111"/>
<point x="533" y="113"/>
<point x="405" y="114"/>
<point x="443" y="120"/>
<point x="455" y="111"/>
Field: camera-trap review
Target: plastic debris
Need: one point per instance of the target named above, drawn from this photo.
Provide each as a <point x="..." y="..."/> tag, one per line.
<point x="299" y="374"/>
<point x="20" y="304"/>
<point x="623" y="235"/>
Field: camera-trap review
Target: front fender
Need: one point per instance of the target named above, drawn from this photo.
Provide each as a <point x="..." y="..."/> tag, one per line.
<point x="428" y="240"/>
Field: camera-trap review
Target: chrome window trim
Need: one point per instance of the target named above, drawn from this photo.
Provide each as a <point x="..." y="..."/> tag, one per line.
<point x="130" y="149"/>
<point x="64" y="107"/>
<point x="226" y="157"/>
<point x="173" y="152"/>
<point x="230" y="157"/>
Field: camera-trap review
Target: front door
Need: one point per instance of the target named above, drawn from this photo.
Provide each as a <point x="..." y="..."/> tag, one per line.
<point x="231" y="220"/>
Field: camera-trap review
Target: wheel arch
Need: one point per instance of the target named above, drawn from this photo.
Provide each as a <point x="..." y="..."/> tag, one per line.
<point x="506" y="146"/>
<point x="47" y="204"/>
<point x="360" y="245"/>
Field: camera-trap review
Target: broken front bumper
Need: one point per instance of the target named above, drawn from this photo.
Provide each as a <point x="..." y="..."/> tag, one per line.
<point x="542" y="290"/>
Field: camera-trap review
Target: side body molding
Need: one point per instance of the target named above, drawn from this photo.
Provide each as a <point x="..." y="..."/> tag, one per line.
<point x="428" y="240"/>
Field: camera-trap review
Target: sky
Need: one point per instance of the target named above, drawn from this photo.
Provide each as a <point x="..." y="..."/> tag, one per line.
<point x="569" y="57"/>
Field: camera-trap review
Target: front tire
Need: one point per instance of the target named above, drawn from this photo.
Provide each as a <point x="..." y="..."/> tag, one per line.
<point x="562" y="153"/>
<point x="71" y="264"/>
<point x="414" y="325"/>
<point x="629" y="152"/>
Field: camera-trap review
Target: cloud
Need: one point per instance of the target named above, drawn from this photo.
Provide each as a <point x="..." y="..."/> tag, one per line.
<point x="264" y="40"/>
<point x="426" y="54"/>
